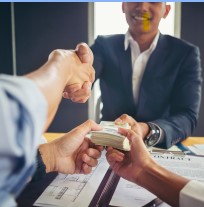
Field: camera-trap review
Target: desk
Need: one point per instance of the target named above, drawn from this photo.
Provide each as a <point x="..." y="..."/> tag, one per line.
<point x="193" y="140"/>
<point x="188" y="142"/>
<point x="51" y="136"/>
<point x="34" y="190"/>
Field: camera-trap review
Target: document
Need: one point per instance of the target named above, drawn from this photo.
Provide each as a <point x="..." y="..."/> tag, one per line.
<point x="197" y="149"/>
<point x="99" y="187"/>
<point x="191" y="167"/>
<point x="73" y="190"/>
<point x="128" y="194"/>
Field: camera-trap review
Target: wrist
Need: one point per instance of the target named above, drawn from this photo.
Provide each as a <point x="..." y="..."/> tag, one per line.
<point x="61" y="64"/>
<point x="47" y="157"/>
<point x="145" y="130"/>
<point x="147" y="166"/>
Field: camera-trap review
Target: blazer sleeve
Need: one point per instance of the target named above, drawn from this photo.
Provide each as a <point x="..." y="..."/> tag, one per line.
<point x="98" y="52"/>
<point x="185" y="103"/>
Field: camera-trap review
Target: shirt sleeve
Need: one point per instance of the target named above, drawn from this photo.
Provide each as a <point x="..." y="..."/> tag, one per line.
<point x="192" y="194"/>
<point x="23" y="111"/>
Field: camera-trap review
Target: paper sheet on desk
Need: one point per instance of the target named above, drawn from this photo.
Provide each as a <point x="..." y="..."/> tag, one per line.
<point x="191" y="167"/>
<point x="73" y="190"/>
<point x="197" y="149"/>
<point x="128" y="194"/>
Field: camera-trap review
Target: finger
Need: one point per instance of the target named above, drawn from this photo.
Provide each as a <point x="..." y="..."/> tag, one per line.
<point x="73" y="88"/>
<point x="83" y="129"/>
<point x="99" y="148"/>
<point x="83" y="93"/>
<point x="65" y="95"/>
<point x="92" y="162"/>
<point x="126" y="119"/>
<point x="80" y="94"/>
<point x="114" y="157"/>
<point x="87" y="86"/>
<point x="84" y="53"/>
<point x="94" y="153"/>
<point x="135" y="140"/>
<point x="91" y="125"/>
<point x="112" y="150"/>
<point x="79" y="100"/>
<point x="92" y="74"/>
<point x="86" y="168"/>
<point x="118" y="121"/>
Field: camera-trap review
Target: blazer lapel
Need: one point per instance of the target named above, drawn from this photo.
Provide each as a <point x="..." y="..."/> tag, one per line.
<point x="124" y="57"/>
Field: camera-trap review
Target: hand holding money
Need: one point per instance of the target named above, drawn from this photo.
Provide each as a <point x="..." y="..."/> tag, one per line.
<point x="109" y="136"/>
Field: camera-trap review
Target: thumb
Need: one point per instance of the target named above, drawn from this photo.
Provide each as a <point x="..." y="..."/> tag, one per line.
<point x="84" y="53"/>
<point x="135" y="139"/>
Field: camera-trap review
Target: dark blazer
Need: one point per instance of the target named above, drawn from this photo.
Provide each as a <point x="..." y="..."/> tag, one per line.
<point x="170" y="91"/>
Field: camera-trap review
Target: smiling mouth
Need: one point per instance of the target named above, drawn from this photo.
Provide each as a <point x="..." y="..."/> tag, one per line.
<point x="144" y="17"/>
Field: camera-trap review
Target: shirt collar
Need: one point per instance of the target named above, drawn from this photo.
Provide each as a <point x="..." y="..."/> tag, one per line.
<point x="129" y="38"/>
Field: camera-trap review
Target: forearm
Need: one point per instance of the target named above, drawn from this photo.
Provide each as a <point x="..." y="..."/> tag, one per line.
<point x="163" y="183"/>
<point x="49" y="75"/>
<point x="47" y="154"/>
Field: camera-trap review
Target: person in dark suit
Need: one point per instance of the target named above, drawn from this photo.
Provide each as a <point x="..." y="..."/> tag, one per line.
<point x="154" y="79"/>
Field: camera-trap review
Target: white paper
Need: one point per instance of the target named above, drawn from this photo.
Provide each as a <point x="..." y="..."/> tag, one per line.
<point x="197" y="149"/>
<point x="128" y="194"/>
<point x="73" y="190"/>
<point x="191" y="167"/>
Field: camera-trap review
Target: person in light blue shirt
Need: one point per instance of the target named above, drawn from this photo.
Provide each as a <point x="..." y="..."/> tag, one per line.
<point x="27" y="107"/>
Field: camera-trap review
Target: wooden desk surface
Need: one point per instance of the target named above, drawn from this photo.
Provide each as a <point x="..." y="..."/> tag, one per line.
<point x="52" y="136"/>
<point x="193" y="140"/>
<point x="189" y="141"/>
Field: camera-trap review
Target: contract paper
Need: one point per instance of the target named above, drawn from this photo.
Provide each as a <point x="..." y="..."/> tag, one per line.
<point x="73" y="190"/>
<point x="128" y="194"/>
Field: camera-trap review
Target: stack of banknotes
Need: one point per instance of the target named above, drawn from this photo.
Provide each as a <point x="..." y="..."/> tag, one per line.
<point x="109" y="136"/>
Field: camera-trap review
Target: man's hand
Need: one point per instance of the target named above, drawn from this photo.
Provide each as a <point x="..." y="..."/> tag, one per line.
<point x="139" y="127"/>
<point x="76" y="92"/>
<point x="72" y="153"/>
<point x="129" y="165"/>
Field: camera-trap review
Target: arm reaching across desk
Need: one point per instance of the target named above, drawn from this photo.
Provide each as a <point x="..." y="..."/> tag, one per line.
<point x="137" y="166"/>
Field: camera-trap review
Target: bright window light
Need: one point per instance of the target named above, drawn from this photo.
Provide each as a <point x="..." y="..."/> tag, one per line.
<point x="109" y="19"/>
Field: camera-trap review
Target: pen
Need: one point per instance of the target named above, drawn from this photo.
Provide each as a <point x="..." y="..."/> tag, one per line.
<point x="184" y="148"/>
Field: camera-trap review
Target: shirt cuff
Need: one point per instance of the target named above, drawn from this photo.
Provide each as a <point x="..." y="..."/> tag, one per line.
<point x="40" y="169"/>
<point x="192" y="194"/>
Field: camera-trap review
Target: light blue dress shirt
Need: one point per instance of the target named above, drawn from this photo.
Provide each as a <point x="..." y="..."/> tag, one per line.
<point x="23" y="111"/>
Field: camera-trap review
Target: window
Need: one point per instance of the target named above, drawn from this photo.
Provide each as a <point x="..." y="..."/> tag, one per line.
<point x="109" y="19"/>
